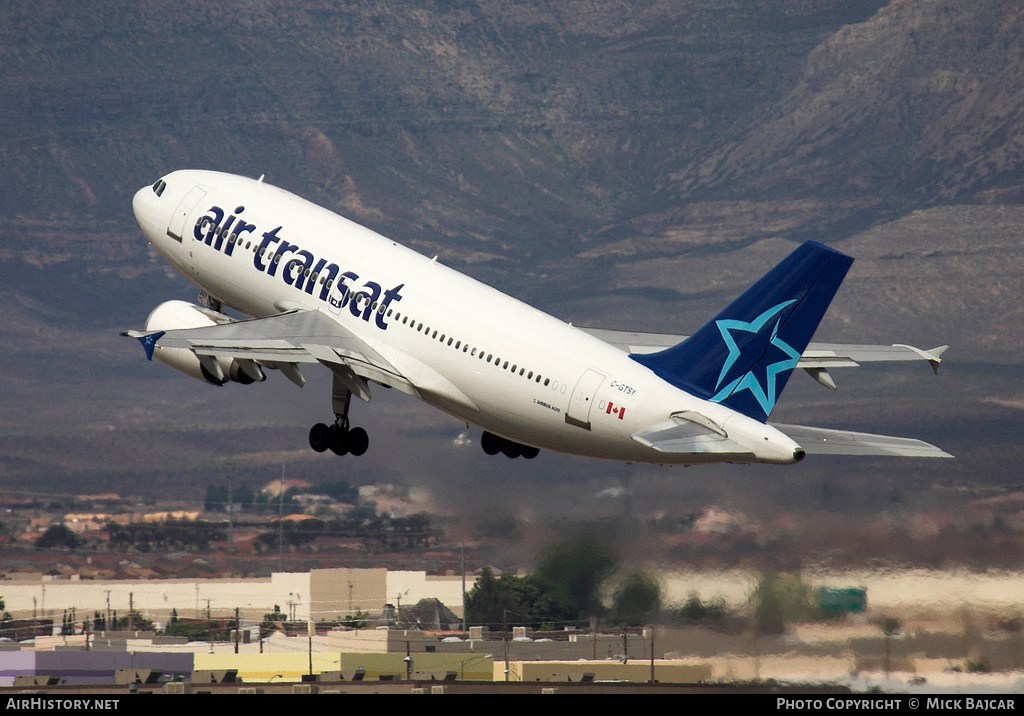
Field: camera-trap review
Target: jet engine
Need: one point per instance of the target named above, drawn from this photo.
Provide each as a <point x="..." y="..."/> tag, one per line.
<point x="177" y="315"/>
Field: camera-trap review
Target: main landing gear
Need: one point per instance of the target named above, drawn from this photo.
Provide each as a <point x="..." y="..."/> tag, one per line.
<point x="492" y="445"/>
<point x="339" y="438"/>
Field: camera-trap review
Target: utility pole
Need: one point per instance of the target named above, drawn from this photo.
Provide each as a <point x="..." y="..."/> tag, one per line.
<point x="280" y="522"/>
<point x="504" y="629"/>
<point x="311" y="629"/>
<point x="463" y="588"/>
<point x="231" y="521"/>
<point x="650" y="631"/>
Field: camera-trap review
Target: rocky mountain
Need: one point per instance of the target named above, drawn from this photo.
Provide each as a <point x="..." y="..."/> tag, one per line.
<point x="624" y="164"/>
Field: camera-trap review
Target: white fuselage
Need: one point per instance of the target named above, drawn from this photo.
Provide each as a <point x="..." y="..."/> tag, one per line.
<point x="481" y="355"/>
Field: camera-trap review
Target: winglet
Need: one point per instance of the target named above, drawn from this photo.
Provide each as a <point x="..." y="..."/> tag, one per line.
<point x="934" y="356"/>
<point x="148" y="340"/>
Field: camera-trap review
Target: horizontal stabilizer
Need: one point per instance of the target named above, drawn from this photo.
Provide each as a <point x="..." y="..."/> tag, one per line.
<point x="823" y="441"/>
<point x="816" y="356"/>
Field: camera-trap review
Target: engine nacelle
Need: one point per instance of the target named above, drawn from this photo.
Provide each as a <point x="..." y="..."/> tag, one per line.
<point x="177" y="315"/>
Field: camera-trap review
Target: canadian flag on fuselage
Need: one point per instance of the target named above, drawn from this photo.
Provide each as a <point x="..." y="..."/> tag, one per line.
<point x="613" y="410"/>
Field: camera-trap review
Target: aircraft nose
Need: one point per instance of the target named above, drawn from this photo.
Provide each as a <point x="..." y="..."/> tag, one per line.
<point x="146" y="206"/>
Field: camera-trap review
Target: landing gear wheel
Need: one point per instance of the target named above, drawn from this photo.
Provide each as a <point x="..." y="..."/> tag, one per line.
<point x="339" y="440"/>
<point x="510" y="449"/>
<point x="358" y="441"/>
<point x="491" y="443"/>
<point x="320" y="437"/>
<point x="530" y="452"/>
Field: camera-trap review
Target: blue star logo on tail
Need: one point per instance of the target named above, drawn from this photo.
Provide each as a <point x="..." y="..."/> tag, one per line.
<point x="762" y="350"/>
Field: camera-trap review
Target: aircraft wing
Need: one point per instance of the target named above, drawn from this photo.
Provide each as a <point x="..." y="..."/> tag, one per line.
<point x="823" y="441"/>
<point x="816" y="360"/>
<point x="282" y="342"/>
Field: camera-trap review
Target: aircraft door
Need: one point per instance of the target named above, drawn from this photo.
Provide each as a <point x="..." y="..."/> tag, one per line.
<point x="176" y="227"/>
<point x="582" y="399"/>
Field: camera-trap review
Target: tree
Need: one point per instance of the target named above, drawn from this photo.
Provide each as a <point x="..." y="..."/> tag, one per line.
<point x="637" y="599"/>
<point x="216" y="498"/>
<point x="780" y="599"/>
<point x="340" y="491"/>
<point x="57" y="536"/>
<point x="490" y="599"/>
<point x="271" y="620"/>
<point x="571" y="573"/>
<point x="359" y="620"/>
<point x="891" y="626"/>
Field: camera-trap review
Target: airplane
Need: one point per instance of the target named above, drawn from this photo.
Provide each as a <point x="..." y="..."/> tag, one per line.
<point x="317" y="288"/>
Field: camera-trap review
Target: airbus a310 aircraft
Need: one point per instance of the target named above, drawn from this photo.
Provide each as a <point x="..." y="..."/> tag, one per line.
<point x="320" y="289"/>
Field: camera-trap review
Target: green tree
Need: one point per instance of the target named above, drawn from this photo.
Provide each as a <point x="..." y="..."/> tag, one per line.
<point x="134" y="620"/>
<point x="359" y="620"/>
<point x="216" y="498"/>
<point x="490" y="599"/>
<point x="340" y="491"/>
<point x="637" y="599"/>
<point x="6" y="622"/>
<point x="197" y="630"/>
<point x="891" y="626"/>
<point x="781" y="599"/>
<point x="57" y="536"/>
<point x="571" y="573"/>
<point x="271" y="620"/>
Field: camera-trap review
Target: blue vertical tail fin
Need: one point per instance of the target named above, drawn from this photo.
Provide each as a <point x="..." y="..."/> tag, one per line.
<point x="743" y="357"/>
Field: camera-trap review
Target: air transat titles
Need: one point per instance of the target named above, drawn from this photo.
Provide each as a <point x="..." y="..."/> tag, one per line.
<point x="302" y="269"/>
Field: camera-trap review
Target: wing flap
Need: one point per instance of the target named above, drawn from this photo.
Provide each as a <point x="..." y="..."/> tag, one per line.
<point x="825" y="441"/>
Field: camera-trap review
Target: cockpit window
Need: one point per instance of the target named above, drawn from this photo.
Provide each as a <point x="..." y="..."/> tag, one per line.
<point x="159" y="187"/>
